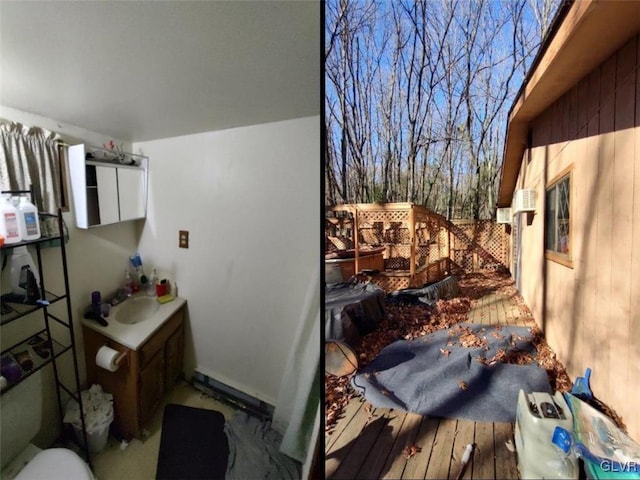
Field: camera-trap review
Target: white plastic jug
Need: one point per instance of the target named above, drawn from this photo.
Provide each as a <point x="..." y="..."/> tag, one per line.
<point x="21" y="261"/>
<point x="9" y="221"/>
<point x="28" y="220"/>
<point x="537" y="416"/>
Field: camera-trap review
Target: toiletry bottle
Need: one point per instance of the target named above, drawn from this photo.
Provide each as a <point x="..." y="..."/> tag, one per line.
<point x="9" y="227"/>
<point x="135" y="280"/>
<point x="127" y="283"/>
<point x="28" y="220"/>
<point x="151" y="283"/>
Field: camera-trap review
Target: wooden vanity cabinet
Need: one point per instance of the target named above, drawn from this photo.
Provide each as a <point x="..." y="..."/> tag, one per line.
<point x="143" y="376"/>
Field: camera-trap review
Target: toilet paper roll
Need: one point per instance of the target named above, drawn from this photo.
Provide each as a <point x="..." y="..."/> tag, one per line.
<point x="106" y="358"/>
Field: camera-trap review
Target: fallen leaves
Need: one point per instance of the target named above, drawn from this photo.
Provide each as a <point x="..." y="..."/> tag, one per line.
<point x="338" y="392"/>
<point x="368" y="408"/>
<point x="408" y="322"/>
<point x="470" y="339"/>
<point x="410" y="450"/>
<point x="513" y="357"/>
<point x="463" y="385"/>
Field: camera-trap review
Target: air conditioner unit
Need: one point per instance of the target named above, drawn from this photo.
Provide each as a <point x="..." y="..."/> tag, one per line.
<point x="524" y="201"/>
<point x="503" y="215"/>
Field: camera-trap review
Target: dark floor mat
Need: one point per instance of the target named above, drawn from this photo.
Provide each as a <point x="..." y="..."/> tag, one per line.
<point x="437" y="375"/>
<point x="193" y="444"/>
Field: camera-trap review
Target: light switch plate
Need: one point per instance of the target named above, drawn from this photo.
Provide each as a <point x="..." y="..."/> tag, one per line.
<point x="183" y="239"/>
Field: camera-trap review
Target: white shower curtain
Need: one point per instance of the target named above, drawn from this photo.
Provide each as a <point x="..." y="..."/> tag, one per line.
<point x="299" y="395"/>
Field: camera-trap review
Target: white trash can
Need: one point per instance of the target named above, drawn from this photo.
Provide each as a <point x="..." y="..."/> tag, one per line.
<point x="98" y="416"/>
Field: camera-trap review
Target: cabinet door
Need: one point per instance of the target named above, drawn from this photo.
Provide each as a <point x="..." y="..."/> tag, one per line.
<point x="132" y="193"/>
<point x="107" y="195"/>
<point x="174" y="351"/>
<point x="151" y="387"/>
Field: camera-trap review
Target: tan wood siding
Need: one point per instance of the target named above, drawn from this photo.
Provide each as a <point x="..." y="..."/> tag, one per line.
<point x="634" y="266"/>
<point x="591" y="311"/>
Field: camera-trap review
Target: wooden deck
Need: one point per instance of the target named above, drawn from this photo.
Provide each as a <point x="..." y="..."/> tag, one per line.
<point x="369" y="444"/>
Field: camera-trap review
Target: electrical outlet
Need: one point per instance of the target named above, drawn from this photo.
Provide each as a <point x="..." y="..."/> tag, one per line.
<point x="183" y="240"/>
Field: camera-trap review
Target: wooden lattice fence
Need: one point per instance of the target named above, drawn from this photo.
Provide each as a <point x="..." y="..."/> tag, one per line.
<point x="479" y="245"/>
<point x="419" y="246"/>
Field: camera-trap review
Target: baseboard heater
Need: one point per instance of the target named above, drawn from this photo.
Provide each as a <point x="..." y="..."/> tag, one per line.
<point x="232" y="396"/>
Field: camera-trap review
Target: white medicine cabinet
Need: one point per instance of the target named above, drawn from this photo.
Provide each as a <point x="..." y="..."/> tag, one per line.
<point x="108" y="186"/>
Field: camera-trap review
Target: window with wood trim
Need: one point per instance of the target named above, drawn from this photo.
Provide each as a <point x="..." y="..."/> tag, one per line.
<point x="557" y="240"/>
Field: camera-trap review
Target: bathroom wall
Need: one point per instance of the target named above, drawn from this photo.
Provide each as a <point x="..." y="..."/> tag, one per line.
<point x="249" y="198"/>
<point x="96" y="260"/>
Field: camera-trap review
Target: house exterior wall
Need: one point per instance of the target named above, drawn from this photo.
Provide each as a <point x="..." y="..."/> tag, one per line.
<point x="589" y="308"/>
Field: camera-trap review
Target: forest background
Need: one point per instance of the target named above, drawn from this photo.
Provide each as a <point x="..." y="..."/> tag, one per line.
<point x="417" y="98"/>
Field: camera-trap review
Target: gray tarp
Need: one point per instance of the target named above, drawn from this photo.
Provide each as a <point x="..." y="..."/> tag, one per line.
<point x="352" y="310"/>
<point x="254" y="451"/>
<point x="416" y="376"/>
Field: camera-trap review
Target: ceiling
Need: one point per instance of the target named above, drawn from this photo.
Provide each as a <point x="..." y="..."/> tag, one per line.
<point x="143" y="70"/>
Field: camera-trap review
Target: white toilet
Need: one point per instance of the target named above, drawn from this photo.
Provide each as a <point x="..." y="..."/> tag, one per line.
<point x="21" y="416"/>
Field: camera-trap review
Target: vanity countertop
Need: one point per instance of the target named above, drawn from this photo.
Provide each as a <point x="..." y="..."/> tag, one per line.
<point x="134" y="335"/>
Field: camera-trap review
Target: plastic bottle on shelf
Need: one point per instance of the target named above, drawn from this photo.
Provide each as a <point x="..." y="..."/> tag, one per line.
<point x="28" y="220"/>
<point x="151" y="283"/>
<point x="9" y="221"/>
<point x="127" y="283"/>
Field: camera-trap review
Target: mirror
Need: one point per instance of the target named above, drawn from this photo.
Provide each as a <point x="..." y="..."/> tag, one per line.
<point x="105" y="190"/>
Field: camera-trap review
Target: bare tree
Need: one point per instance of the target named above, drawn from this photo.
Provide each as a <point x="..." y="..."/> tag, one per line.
<point x="418" y="93"/>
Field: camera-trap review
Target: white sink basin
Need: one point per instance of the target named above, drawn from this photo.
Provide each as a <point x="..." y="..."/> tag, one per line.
<point x="137" y="309"/>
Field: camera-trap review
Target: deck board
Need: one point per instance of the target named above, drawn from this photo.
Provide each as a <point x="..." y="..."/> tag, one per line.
<point x="352" y="426"/>
<point x="364" y="447"/>
<point x="377" y="456"/>
<point x="416" y="467"/>
<point x="361" y="446"/>
<point x="505" y="459"/>
<point x="441" y="454"/>
<point x="348" y="415"/>
<point x="464" y="435"/>
<point x="484" y="453"/>
<point x="396" y="462"/>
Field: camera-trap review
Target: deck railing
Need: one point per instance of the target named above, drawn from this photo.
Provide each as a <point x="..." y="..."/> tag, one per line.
<point x="420" y="246"/>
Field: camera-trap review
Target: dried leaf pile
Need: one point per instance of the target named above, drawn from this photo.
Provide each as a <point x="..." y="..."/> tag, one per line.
<point x="410" y="450"/>
<point x="407" y="322"/>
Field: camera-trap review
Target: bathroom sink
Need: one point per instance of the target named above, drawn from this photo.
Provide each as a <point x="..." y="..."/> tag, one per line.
<point x="136" y="310"/>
